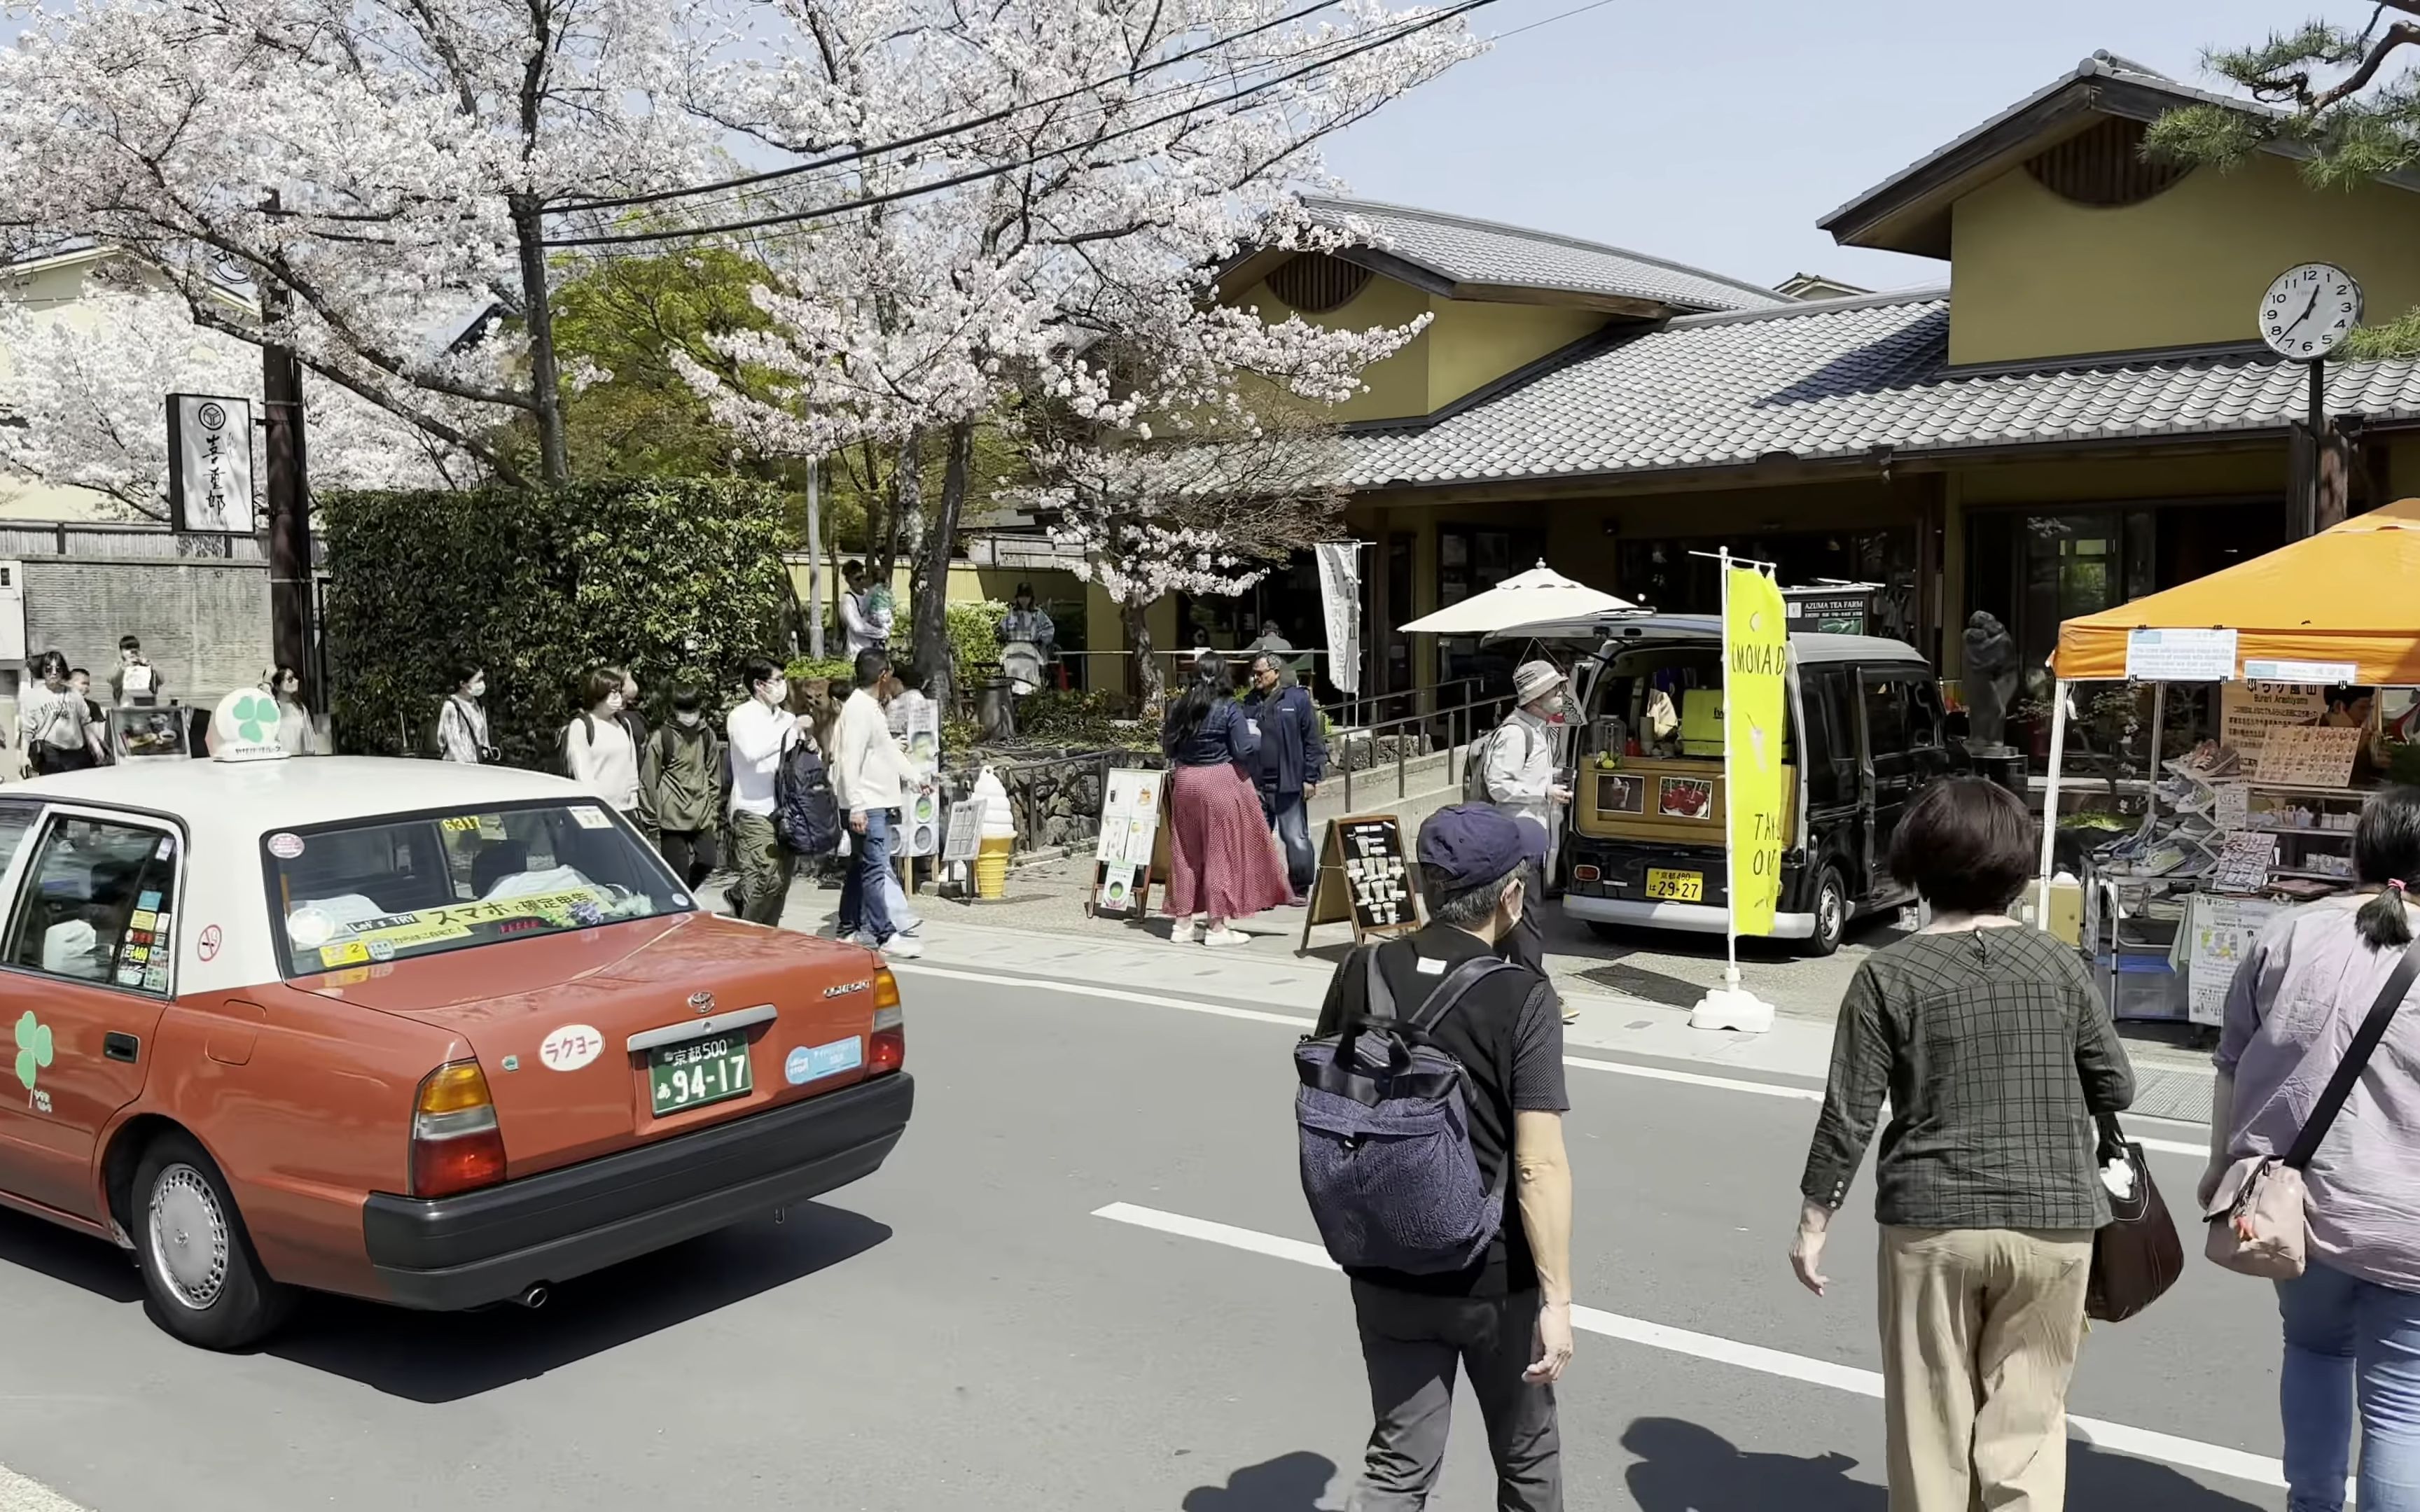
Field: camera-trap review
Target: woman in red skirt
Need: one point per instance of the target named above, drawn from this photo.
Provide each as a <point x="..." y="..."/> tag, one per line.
<point x="1223" y="862"/>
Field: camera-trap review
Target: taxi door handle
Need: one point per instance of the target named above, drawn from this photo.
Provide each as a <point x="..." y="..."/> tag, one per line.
<point x="120" y="1048"/>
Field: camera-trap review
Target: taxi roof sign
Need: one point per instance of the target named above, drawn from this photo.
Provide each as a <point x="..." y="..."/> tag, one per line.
<point x="243" y="728"/>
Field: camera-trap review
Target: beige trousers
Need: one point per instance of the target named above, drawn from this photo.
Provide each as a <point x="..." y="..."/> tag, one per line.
<point x="1980" y="1328"/>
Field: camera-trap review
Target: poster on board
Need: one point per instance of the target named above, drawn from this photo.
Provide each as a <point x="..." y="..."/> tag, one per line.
<point x="2247" y="711"/>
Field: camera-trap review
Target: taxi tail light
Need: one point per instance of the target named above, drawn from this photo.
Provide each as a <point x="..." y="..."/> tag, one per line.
<point x="455" y="1142"/>
<point x="887" y="1049"/>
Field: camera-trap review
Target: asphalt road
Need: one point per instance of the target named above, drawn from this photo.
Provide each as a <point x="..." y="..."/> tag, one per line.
<point x="963" y="1331"/>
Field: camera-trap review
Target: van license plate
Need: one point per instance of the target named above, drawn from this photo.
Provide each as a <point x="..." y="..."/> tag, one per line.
<point x="698" y="1071"/>
<point x="1676" y="887"/>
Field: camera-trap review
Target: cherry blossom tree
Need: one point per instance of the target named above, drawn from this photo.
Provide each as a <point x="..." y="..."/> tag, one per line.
<point x="81" y="404"/>
<point x="380" y="171"/>
<point x="1107" y="156"/>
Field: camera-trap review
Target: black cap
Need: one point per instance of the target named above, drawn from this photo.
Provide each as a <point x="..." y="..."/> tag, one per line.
<point x="1470" y="844"/>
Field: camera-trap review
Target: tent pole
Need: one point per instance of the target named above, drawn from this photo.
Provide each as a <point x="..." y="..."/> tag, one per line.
<point x="2050" y="798"/>
<point x="2151" y="771"/>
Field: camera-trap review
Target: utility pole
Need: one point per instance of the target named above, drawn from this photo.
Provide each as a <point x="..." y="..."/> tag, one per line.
<point x="814" y="561"/>
<point x="288" y="499"/>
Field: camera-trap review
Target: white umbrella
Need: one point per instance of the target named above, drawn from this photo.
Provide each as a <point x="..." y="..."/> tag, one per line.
<point x="1533" y="597"/>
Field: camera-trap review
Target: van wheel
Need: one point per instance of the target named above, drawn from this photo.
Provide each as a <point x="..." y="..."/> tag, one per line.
<point x="201" y="1280"/>
<point x="1831" y="915"/>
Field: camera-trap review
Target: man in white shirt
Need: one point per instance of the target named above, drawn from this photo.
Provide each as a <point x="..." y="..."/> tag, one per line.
<point x="760" y="731"/>
<point x="872" y="779"/>
<point x="864" y="615"/>
<point x="1520" y="776"/>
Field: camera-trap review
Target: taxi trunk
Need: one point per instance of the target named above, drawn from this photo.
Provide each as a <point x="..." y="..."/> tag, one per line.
<point x="606" y="1039"/>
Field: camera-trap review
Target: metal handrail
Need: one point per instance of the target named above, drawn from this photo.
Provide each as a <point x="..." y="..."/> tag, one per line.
<point x="1460" y="721"/>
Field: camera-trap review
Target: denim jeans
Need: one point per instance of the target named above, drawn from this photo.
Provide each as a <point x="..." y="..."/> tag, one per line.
<point x="1290" y="818"/>
<point x="2349" y="1339"/>
<point x="864" y="903"/>
<point x="904" y="919"/>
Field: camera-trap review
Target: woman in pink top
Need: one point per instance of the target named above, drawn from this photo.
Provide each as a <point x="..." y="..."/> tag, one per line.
<point x="2352" y="1317"/>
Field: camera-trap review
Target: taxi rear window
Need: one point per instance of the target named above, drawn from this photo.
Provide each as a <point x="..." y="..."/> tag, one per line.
<point x="391" y="889"/>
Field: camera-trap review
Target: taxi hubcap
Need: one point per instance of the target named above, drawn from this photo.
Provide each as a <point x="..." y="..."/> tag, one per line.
<point x="189" y="1236"/>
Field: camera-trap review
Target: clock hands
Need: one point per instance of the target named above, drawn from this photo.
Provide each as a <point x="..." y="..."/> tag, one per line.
<point x="2306" y="312"/>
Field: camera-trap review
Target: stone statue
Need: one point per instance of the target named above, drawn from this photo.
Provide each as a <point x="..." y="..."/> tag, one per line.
<point x="1989" y="681"/>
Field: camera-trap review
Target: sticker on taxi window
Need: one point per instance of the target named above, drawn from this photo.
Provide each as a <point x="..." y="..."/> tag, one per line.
<point x="588" y="816"/>
<point x="285" y="848"/>
<point x="309" y="928"/>
<point x="144" y="919"/>
<point x="148" y="901"/>
<point x="343" y="953"/>
<point x="460" y="822"/>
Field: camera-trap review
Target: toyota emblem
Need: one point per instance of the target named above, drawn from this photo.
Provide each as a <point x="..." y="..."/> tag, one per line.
<point x="702" y="1002"/>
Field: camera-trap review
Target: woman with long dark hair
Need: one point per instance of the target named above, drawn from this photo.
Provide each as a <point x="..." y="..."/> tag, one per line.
<point x="2352" y="1317"/>
<point x="1222" y="863"/>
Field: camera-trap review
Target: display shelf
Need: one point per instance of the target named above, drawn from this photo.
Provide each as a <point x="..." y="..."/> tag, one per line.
<point x="2311" y="876"/>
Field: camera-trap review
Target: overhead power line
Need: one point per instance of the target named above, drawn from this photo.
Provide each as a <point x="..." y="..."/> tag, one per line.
<point x="935" y="133"/>
<point x="975" y="176"/>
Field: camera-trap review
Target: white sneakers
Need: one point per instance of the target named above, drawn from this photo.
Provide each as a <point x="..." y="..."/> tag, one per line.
<point x="1194" y="932"/>
<point x="1226" y="936"/>
<point x="902" y="948"/>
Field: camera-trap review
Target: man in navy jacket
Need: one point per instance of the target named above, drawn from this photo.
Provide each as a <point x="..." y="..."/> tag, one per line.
<point x="1292" y="762"/>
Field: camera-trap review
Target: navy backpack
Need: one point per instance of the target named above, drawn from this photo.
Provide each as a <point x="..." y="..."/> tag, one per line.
<point x="1384" y="1118"/>
<point x="806" y="813"/>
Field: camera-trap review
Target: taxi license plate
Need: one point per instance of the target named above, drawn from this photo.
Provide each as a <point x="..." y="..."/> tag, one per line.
<point x="698" y="1071"/>
<point x="1676" y="887"/>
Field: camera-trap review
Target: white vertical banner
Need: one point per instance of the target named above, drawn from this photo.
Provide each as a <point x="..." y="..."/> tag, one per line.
<point x="1340" y="594"/>
<point x="210" y="463"/>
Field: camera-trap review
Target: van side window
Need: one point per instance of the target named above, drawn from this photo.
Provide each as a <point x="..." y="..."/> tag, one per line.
<point x="1830" y="737"/>
<point x="1925" y="712"/>
<point x="1886" y="716"/>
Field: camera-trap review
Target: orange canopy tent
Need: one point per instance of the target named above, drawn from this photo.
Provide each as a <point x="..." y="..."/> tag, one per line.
<point x="2349" y="594"/>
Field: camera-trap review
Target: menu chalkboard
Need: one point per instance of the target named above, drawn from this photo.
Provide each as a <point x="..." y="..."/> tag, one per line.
<point x="1365" y="877"/>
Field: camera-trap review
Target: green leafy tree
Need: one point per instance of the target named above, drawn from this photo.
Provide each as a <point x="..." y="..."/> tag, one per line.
<point x="2339" y="98"/>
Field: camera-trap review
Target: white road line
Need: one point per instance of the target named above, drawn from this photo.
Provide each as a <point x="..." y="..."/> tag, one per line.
<point x="2143" y="1443"/>
<point x="1296" y="1020"/>
<point x="18" y="1494"/>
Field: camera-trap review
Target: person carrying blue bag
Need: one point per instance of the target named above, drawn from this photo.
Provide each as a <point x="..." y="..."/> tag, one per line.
<point x="1429" y="1111"/>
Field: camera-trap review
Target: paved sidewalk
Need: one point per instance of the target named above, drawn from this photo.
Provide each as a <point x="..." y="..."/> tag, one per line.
<point x="1633" y="995"/>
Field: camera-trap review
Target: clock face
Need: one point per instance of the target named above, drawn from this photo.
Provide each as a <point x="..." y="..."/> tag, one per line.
<point x="2308" y="310"/>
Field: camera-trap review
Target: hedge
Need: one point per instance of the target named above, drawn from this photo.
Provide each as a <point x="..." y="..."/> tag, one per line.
<point x="677" y="579"/>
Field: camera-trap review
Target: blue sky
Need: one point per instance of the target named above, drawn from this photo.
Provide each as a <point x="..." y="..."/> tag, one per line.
<point x="1718" y="135"/>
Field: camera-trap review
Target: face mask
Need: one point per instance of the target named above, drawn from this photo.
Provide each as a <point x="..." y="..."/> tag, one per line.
<point x="687" y="718"/>
<point x="614" y="703"/>
<point x="778" y="690"/>
<point x="478" y="688"/>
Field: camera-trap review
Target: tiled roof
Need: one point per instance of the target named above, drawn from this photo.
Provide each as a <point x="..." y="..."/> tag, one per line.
<point x="1464" y="251"/>
<point x="1839" y="378"/>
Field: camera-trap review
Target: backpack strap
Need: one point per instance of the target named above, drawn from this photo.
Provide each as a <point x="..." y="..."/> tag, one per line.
<point x="1456" y="987"/>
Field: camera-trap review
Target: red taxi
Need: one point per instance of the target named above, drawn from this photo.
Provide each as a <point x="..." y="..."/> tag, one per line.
<point x="434" y="1035"/>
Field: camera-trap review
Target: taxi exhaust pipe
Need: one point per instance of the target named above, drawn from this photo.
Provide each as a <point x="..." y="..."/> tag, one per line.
<point x="535" y="1296"/>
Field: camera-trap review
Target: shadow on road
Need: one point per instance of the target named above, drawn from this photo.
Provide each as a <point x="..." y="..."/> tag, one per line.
<point x="445" y="1357"/>
<point x="100" y="1268"/>
<point x="1290" y="1483"/>
<point x="1683" y="1467"/>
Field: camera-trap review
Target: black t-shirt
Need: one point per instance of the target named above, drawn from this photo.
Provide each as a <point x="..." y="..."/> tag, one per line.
<point x="1508" y="1033"/>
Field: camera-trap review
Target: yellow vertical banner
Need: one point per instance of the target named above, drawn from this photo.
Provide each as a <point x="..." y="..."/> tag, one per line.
<point x="1756" y="662"/>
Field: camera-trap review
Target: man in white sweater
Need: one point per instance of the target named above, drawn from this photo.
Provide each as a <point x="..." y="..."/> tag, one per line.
<point x="871" y="780"/>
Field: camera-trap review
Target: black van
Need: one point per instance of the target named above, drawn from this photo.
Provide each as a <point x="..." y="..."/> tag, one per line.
<point x="1644" y="841"/>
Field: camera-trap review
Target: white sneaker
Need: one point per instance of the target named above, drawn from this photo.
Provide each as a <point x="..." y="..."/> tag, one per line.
<point x="1187" y="932"/>
<point x="863" y="940"/>
<point x="1227" y="936"/>
<point x="902" y="948"/>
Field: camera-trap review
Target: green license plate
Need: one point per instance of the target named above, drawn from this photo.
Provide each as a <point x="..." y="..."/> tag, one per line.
<point x="697" y="1072"/>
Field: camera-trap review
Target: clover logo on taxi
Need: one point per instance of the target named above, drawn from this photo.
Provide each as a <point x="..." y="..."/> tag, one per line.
<point x="33" y="1049"/>
<point x="255" y="716"/>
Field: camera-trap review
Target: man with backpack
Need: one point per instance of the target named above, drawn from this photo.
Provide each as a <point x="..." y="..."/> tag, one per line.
<point x="1514" y="769"/>
<point x="1455" y="1228"/>
<point x="686" y="762"/>
<point x="762" y="732"/>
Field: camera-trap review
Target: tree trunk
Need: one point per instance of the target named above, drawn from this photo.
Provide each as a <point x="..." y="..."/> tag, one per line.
<point x="905" y="526"/>
<point x="1148" y="688"/>
<point x="537" y="317"/>
<point x="930" y="585"/>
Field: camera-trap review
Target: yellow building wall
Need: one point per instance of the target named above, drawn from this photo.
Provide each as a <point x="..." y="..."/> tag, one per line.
<point x="1467" y="344"/>
<point x="54" y="293"/>
<point x="2036" y="275"/>
<point x="1471" y="344"/>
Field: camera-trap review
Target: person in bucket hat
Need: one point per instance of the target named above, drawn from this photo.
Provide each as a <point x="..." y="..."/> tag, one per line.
<point x="1518" y="776"/>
